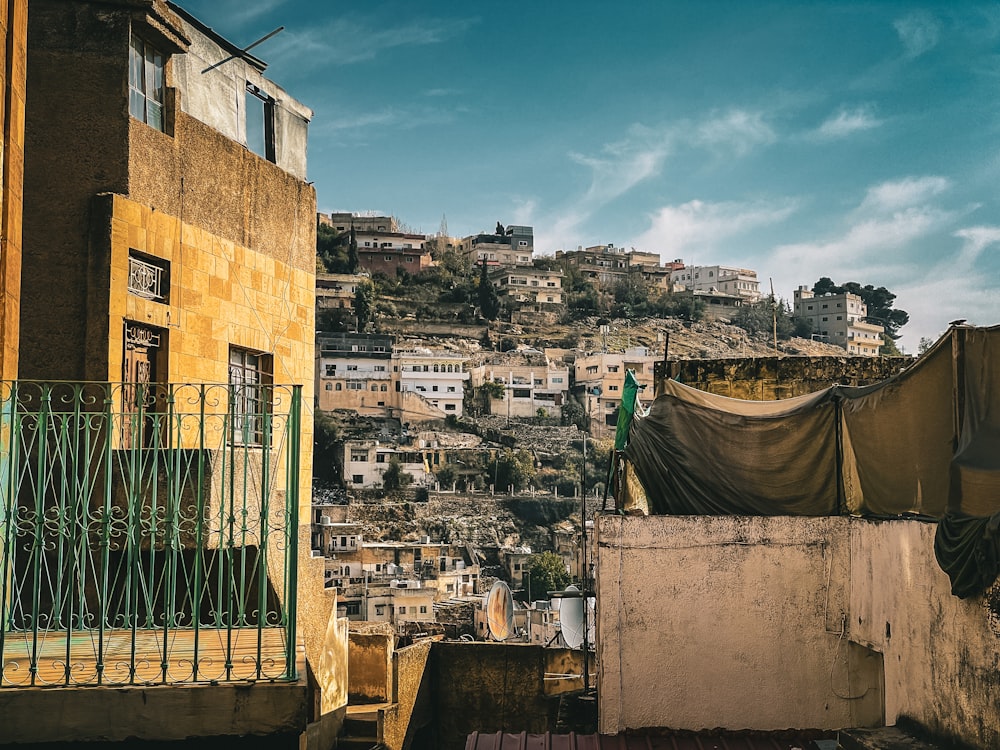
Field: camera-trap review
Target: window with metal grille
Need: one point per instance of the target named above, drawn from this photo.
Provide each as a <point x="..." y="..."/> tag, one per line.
<point x="250" y="379"/>
<point x="145" y="83"/>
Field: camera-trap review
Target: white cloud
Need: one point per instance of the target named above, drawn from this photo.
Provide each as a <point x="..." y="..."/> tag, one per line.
<point x="698" y="226"/>
<point x="919" y="32"/>
<point x="907" y="192"/>
<point x="738" y="130"/>
<point x="845" y="122"/>
<point x="952" y="289"/>
<point x="343" y="41"/>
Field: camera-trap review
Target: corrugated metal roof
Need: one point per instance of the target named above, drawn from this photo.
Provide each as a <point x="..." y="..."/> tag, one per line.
<point x="665" y="741"/>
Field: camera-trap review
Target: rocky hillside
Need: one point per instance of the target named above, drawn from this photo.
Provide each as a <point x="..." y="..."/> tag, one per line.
<point x="686" y="340"/>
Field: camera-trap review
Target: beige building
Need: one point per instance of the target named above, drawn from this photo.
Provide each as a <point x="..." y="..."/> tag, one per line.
<point x="169" y="290"/>
<point x="531" y="382"/>
<point x="728" y="280"/>
<point x="606" y="265"/>
<point x="599" y="379"/>
<point x="374" y="376"/>
<point x="343" y="221"/>
<point x="529" y="288"/>
<point x="840" y="319"/>
<point x="336" y="291"/>
<point x="513" y="247"/>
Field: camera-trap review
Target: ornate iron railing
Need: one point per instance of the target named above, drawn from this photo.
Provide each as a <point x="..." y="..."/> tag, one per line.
<point x="143" y="538"/>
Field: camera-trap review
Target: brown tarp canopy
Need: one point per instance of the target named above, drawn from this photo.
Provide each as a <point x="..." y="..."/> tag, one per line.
<point x="924" y="442"/>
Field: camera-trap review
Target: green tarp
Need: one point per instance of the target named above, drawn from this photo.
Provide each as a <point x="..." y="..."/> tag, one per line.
<point x="924" y="443"/>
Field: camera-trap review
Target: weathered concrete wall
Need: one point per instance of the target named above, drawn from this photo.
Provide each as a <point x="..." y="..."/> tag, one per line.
<point x="369" y="667"/>
<point x="168" y="712"/>
<point x="488" y="687"/>
<point x="413" y="707"/>
<point x="767" y="623"/>
<point x="772" y="378"/>
<point x="67" y="161"/>
<point x="942" y="664"/>
<point x="729" y="622"/>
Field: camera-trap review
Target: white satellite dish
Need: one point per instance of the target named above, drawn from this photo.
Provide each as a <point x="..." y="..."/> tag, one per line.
<point x="500" y="612"/>
<point x="571" y="617"/>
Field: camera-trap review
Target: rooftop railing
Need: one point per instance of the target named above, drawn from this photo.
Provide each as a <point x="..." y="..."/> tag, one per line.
<point x="147" y="533"/>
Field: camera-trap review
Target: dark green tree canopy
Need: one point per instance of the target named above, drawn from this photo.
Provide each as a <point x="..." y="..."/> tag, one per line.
<point x="489" y="302"/>
<point x="547" y="573"/>
<point x="878" y="301"/>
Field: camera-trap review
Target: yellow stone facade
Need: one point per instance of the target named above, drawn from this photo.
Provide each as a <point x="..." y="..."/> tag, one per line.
<point x="221" y="294"/>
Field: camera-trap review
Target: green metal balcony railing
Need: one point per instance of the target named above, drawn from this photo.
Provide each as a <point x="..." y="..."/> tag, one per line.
<point x="148" y="533"/>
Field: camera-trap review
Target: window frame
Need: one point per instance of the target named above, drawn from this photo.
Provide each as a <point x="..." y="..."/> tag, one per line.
<point x="147" y="83"/>
<point x="251" y="381"/>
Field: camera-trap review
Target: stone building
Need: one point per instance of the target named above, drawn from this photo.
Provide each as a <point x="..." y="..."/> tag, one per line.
<point x="392" y="252"/>
<point x="528" y="289"/>
<point x="727" y="280"/>
<point x="840" y="319"/>
<point x="598" y="378"/>
<point x="508" y="247"/>
<point x="373" y="376"/>
<point x="531" y="383"/>
<point x="167" y="301"/>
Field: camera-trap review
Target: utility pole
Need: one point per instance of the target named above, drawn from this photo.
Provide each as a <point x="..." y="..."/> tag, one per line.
<point x="774" y="316"/>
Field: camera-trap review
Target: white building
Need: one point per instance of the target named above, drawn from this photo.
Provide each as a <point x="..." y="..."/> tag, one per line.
<point x="530" y="383"/>
<point x="437" y="376"/>
<point x="840" y="319"/>
<point x="740" y="282"/>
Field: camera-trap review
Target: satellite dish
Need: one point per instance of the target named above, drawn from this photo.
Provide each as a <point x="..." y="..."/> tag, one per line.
<point x="571" y="617"/>
<point x="500" y="612"/>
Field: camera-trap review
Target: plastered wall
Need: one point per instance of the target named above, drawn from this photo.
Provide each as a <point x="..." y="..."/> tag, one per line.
<point x="941" y="653"/>
<point x="721" y="622"/>
<point x="777" y="622"/>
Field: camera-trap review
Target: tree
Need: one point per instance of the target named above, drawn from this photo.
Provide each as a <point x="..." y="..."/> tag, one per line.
<point x="514" y="469"/>
<point x="331" y="249"/>
<point x="364" y="304"/>
<point x="489" y="302"/>
<point x="353" y="260"/>
<point x="546" y="573"/>
<point x="394" y="478"/>
<point x="325" y="438"/>
<point x="446" y="476"/>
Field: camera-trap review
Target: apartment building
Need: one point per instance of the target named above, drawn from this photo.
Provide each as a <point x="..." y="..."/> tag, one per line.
<point x="728" y="280"/>
<point x="374" y="376"/>
<point x="437" y="376"/>
<point x="513" y="246"/>
<point x="354" y="371"/>
<point x="840" y="319"/>
<point x="167" y="303"/>
<point x="606" y="265"/>
<point x="531" y="383"/>
<point x="392" y="252"/>
<point x="598" y="379"/>
<point x="336" y="291"/>
<point x="344" y="221"/>
<point x="526" y="287"/>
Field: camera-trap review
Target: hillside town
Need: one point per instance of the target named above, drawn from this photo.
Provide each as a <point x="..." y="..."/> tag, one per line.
<point x="292" y="478"/>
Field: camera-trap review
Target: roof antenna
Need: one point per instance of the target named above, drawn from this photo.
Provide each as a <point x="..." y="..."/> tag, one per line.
<point x="243" y="51"/>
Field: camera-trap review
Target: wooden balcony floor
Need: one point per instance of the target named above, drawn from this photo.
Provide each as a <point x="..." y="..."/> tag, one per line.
<point x="244" y="647"/>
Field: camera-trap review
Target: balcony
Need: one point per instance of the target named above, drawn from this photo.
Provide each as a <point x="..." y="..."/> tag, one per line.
<point x="148" y="534"/>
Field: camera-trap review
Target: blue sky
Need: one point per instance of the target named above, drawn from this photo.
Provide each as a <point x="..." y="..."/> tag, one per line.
<point x="859" y="141"/>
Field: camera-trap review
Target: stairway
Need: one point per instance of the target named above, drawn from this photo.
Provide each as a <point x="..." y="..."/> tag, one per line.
<point x="360" y="730"/>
